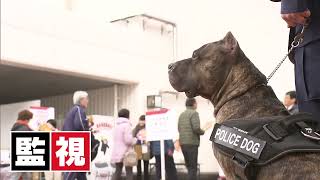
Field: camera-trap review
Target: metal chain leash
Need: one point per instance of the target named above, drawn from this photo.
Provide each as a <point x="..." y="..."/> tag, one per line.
<point x="295" y="43"/>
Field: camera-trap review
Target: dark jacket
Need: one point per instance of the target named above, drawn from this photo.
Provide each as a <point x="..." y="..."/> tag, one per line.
<point x="135" y="132"/>
<point x="189" y="127"/>
<point x="294" y="109"/>
<point x="312" y="33"/>
<point x="155" y="147"/>
<point x="76" y="120"/>
<point x="20" y="127"/>
<point x="307" y="56"/>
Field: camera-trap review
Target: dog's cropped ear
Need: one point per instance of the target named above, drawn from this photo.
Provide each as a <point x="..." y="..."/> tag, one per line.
<point x="230" y="42"/>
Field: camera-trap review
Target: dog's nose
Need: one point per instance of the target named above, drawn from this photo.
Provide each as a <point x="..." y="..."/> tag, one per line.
<point x="171" y="66"/>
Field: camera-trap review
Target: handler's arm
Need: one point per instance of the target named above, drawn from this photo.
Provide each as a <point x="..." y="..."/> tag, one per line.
<point x="293" y="6"/>
<point x="294" y="12"/>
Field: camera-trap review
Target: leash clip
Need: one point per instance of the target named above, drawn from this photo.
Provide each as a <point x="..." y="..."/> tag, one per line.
<point x="308" y="131"/>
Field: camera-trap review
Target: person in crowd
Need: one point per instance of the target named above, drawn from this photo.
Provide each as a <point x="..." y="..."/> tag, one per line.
<point x="170" y="168"/>
<point x="76" y="120"/>
<point x="290" y="102"/>
<point x="306" y="56"/>
<point x="189" y="136"/>
<point x="22" y="125"/>
<point x="51" y="125"/>
<point x="142" y="148"/>
<point x="123" y="141"/>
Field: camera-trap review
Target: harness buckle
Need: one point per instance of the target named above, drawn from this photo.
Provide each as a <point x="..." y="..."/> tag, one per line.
<point x="270" y="133"/>
<point x="240" y="160"/>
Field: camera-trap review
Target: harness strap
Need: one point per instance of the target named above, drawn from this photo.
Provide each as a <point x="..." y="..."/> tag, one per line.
<point x="289" y="121"/>
<point x="280" y="129"/>
<point x="244" y="169"/>
<point x="268" y="132"/>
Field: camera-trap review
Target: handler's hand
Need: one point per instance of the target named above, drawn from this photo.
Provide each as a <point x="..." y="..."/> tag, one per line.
<point x="293" y="19"/>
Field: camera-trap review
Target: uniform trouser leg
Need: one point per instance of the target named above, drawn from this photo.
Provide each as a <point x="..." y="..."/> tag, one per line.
<point x="307" y="73"/>
<point x="313" y="107"/>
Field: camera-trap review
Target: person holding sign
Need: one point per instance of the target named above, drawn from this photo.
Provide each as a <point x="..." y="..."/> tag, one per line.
<point x="142" y="148"/>
<point x="189" y="136"/>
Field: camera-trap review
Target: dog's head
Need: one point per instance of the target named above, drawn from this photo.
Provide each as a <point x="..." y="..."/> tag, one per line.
<point x="205" y="72"/>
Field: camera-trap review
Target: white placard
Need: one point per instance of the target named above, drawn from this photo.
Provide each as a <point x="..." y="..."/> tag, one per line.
<point x="103" y="123"/>
<point x="161" y="125"/>
<point x="103" y="130"/>
<point x="40" y="116"/>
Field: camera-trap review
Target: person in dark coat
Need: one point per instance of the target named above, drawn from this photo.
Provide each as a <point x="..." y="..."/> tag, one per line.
<point x="290" y="102"/>
<point x="306" y="56"/>
<point x="22" y="121"/>
<point x="22" y="125"/>
<point x="76" y="120"/>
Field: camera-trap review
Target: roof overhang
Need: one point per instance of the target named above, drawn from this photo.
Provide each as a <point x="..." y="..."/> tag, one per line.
<point x="21" y="82"/>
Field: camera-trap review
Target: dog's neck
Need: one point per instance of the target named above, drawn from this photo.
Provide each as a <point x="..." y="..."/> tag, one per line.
<point x="242" y="77"/>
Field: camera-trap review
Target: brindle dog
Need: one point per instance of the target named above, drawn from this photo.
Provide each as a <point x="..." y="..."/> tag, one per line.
<point x="222" y="73"/>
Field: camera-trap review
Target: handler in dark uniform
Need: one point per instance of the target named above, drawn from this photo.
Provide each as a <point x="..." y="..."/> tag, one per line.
<point x="307" y="56"/>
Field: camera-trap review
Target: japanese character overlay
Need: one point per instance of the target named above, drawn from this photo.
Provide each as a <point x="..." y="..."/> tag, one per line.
<point x="30" y="151"/>
<point x="70" y="151"/>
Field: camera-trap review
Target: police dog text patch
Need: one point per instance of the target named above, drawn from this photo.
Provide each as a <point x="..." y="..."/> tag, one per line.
<point x="238" y="140"/>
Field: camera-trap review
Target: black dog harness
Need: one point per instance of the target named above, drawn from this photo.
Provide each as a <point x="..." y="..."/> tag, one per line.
<point x="252" y="143"/>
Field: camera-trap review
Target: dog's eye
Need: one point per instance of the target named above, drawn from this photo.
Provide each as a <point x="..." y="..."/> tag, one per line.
<point x="195" y="54"/>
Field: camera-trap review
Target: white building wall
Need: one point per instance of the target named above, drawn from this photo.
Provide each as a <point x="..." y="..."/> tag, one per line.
<point x="100" y="102"/>
<point x="8" y="116"/>
<point x="44" y="33"/>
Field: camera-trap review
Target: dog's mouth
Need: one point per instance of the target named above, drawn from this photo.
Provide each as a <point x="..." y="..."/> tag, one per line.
<point x="190" y="93"/>
<point x="176" y="84"/>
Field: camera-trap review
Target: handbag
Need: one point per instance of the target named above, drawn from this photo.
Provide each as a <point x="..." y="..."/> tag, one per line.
<point x="130" y="158"/>
<point x="138" y="150"/>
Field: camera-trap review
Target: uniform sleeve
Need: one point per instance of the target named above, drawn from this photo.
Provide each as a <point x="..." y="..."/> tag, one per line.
<point x="195" y="124"/>
<point x="293" y="6"/>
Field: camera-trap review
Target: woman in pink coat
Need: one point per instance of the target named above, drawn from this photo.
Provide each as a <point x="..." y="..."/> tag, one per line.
<point x="123" y="141"/>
